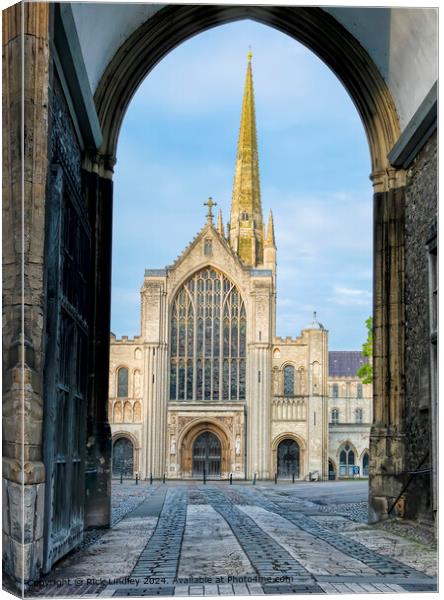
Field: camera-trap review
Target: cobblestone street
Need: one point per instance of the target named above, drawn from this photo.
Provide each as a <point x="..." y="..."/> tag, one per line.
<point x="180" y="539"/>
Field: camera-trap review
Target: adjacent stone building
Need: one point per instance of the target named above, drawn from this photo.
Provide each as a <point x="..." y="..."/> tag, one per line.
<point x="351" y="415"/>
<point x="207" y="387"/>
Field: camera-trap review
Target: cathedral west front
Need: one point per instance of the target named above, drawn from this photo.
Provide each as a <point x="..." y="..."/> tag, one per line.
<point x="207" y="388"/>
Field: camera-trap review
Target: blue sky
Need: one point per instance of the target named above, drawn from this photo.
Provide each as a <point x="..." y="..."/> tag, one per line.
<point x="177" y="146"/>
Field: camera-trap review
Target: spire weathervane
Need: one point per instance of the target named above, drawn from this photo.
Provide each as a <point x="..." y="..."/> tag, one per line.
<point x="210" y="205"/>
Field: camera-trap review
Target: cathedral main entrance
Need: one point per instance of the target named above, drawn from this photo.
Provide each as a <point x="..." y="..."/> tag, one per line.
<point x="206" y="455"/>
<point x="288" y="459"/>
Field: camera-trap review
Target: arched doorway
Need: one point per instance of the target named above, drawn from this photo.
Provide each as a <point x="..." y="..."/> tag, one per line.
<point x="331" y="470"/>
<point x="365" y="464"/>
<point x="207" y="453"/>
<point x="123" y="457"/>
<point x="288" y="458"/>
<point x="346" y="461"/>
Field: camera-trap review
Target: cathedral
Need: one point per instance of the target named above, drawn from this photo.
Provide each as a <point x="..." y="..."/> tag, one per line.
<point x="207" y="388"/>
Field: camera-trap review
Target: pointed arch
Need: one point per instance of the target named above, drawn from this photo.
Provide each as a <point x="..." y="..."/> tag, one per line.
<point x="347" y="458"/>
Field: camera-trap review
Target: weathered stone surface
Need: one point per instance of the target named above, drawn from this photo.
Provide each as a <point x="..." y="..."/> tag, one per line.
<point x="421" y="210"/>
<point x="23" y="246"/>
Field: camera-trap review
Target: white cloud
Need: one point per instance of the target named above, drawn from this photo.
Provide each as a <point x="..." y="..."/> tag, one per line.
<point x="348" y="296"/>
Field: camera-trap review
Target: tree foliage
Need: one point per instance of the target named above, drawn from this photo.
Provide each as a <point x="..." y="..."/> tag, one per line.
<point x="365" y="373"/>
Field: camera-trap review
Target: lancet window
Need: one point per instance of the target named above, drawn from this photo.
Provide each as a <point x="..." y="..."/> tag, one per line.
<point x="288" y="380"/>
<point x="122" y="382"/>
<point x="208" y="340"/>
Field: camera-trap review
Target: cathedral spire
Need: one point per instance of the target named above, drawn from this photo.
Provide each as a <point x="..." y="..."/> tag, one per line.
<point x="246" y="225"/>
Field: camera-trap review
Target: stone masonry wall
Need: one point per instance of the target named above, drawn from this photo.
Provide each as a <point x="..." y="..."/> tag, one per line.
<point x="421" y="208"/>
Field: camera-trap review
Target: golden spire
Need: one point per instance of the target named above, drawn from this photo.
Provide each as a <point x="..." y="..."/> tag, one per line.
<point x="246" y="224"/>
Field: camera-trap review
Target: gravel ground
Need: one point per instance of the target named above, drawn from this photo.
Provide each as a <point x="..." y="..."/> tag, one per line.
<point x="417" y="532"/>
<point x="355" y="511"/>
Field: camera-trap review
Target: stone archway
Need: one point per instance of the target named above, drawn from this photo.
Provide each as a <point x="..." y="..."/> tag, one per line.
<point x="332" y="473"/>
<point x="123" y="457"/>
<point x="131" y="63"/>
<point x="342" y="52"/>
<point x="198" y="444"/>
<point x="289" y="456"/>
<point x="206" y="455"/>
<point x="288" y="459"/>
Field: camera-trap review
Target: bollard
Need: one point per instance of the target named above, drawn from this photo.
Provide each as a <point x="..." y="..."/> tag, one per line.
<point x="231" y="478"/>
<point x="204" y="476"/>
<point x="293" y="477"/>
<point x="254" y="479"/>
<point x="137" y="478"/>
<point x="151" y="479"/>
<point x="121" y="476"/>
<point x="164" y="477"/>
<point x="275" y="478"/>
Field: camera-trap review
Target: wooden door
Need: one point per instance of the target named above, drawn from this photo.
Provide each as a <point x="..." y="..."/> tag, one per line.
<point x="68" y="257"/>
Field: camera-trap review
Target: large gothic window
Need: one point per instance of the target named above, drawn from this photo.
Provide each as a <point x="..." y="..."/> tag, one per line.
<point x="208" y="340"/>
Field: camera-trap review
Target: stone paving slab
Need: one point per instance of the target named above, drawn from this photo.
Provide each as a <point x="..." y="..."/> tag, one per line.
<point x="209" y="546"/>
<point x="269" y="559"/>
<point x="383" y="564"/>
<point x="257" y="539"/>
<point x="318" y="557"/>
<point x="88" y="572"/>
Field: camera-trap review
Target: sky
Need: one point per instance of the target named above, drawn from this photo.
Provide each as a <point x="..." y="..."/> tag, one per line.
<point x="177" y="146"/>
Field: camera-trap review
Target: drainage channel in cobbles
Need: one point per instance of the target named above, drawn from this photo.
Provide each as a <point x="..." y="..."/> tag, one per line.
<point x="412" y="579"/>
<point x="277" y="571"/>
<point x="156" y="569"/>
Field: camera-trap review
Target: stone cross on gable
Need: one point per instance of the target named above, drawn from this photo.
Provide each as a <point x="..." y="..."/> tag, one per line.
<point x="210" y="205"/>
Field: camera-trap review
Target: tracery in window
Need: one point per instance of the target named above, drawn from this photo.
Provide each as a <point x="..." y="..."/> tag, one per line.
<point x="346" y="460"/>
<point x="208" y="340"/>
<point x="288" y="380"/>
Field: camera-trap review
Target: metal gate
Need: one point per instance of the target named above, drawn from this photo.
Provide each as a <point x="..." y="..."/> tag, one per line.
<point x="206" y="455"/>
<point x="123" y="457"/>
<point x="288" y="459"/>
<point x="68" y="254"/>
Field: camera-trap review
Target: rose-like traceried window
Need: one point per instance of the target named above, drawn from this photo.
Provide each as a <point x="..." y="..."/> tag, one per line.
<point x="208" y="340"/>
